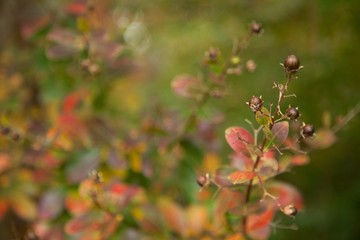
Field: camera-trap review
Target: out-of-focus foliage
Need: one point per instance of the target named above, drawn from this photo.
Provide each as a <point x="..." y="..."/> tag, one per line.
<point x="96" y="145"/>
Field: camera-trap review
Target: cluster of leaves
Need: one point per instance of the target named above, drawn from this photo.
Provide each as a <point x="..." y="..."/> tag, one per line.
<point x="72" y="164"/>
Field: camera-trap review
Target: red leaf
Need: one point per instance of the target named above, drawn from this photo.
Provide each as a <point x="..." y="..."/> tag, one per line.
<point x="3" y="207"/>
<point x="258" y="225"/>
<point x="185" y="85"/>
<point x="299" y="160"/>
<point x="238" y="138"/>
<point x="77" y="8"/>
<point x="221" y="177"/>
<point x="287" y="194"/>
<point x="241" y="176"/>
<point x="280" y="132"/>
<point x="76" y="204"/>
<point x="78" y="224"/>
<point x="241" y="161"/>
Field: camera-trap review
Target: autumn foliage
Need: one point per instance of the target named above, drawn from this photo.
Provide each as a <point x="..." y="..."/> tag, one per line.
<point x="81" y="158"/>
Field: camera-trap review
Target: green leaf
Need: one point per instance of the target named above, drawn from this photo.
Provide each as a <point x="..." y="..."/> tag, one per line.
<point x="263" y="117"/>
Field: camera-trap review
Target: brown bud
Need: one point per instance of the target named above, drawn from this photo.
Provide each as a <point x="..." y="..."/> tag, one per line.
<point x="292" y="64"/>
<point x="255" y="103"/>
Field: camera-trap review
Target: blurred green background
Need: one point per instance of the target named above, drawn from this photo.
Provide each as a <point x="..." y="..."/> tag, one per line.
<point x="325" y="35"/>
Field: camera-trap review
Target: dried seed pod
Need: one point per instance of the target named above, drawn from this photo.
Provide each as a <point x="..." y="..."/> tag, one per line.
<point x="292" y="64"/>
<point x="292" y="113"/>
<point x="256" y="28"/>
<point x="212" y="55"/>
<point x="307" y="130"/>
<point x="203" y="180"/>
<point x="255" y="103"/>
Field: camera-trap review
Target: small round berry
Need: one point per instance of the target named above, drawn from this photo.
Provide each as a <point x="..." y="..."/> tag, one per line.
<point x="255" y="103"/>
<point x="307" y="130"/>
<point x="292" y="64"/>
<point x="256" y="28"/>
<point x="292" y="113"/>
<point x="290" y="210"/>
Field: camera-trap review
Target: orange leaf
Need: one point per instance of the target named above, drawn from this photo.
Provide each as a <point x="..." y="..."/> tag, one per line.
<point x="300" y="159"/>
<point x="241" y="176"/>
<point x="173" y="215"/>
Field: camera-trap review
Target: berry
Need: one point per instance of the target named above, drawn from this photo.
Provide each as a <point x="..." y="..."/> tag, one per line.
<point x="255" y="103"/>
<point x="307" y="130"/>
<point x="292" y="64"/>
<point x="292" y="113"/>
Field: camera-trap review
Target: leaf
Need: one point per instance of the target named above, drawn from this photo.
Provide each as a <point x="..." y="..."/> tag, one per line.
<point x="3" y="207"/>
<point x="80" y="169"/>
<point x="51" y="204"/>
<point x="76" y="8"/>
<point x="324" y="138"/>
<point x="236" y="236"/>
<point x="196" y="219"/>
<point x="5" y="162"/>
<point x="65" y="43"/>
<point x="286" y="193"/>
<point x="221" y="176"/>
<point x="23" y="206"/>
<point x="79" y="224"/>
<point x="76" y="204"/>
<point x="258" y="225"/>
<point x="280" y="132"/>
<point x="185" y="86"/>
<point x="241" y="161"/>
<point x="268" y="167"/>
<point x="173" y="215"/>
<point x="241" y="176"/>
<point x="299" y="160"/>
<point x="239" y="139"/>
<point x="263" y="117"/>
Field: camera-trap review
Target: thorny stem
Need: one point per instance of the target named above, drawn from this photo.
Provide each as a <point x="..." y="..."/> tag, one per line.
<point x="282" y="91"/>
